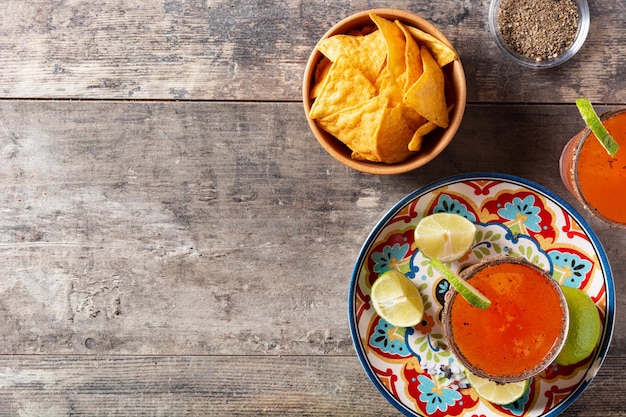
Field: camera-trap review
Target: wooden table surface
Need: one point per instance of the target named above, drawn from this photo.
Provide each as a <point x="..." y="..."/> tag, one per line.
<point x="174" y="241"/>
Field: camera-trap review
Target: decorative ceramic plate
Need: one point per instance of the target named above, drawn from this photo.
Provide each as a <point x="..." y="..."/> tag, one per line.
<point x="411" y="366"/>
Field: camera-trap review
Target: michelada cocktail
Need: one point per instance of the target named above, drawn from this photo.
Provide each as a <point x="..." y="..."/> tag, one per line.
<point x="523" y="329"/>
<point x="594" y="176"/>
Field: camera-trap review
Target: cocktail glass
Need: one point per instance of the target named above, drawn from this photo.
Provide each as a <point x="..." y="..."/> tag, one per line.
<point x="523" y="330"/>
<point x="595" y="178"/>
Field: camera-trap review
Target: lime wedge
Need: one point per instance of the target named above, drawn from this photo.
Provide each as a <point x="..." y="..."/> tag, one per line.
<point x="397" y="300"/>
<point x="445" y="236"/>
<point x="471" y="294"/>
<point x="497" y="393"/>
<point x="595" y="124"/>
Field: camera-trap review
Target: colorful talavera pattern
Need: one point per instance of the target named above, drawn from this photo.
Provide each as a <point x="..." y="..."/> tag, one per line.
<point x="411" y="366"/>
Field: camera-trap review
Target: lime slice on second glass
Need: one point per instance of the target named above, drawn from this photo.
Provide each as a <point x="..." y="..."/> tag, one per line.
<point x="397" y="300"/>
<point x="445" y="236"/>
<point x="497" y="393"/>
<point x="592" y="120"/>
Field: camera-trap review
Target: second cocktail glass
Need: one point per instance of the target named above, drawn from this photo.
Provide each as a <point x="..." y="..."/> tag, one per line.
<point x="595" y="178"/>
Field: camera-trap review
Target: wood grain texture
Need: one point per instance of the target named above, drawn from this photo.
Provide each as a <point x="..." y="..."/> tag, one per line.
<point x="219" y="50"/>
<point x="224" y="386"/>
<point x="158" y="227"/>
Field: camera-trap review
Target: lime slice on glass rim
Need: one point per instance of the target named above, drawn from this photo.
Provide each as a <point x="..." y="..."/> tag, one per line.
<point x="496" y="393"/>
<point x="594" y="123"/>
<point x="445" y="236"/>
<point x="397" y="300"/>
<point x="467" y="291"/>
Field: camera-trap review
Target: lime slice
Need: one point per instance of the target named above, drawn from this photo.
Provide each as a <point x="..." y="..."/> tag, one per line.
<point x="497" y="393"/>
<point x="467" y="291"/>
<point x="585" y="327"/>
<point x="397" y="300"/>
<point x="445" y="236"/>
<point x="595" y="124"/>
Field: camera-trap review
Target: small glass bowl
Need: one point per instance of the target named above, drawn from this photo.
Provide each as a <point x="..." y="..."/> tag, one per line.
<point x="579" y="40"/>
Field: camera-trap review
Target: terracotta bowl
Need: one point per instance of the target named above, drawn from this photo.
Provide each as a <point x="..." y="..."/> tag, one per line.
<point x="435" y="142"/>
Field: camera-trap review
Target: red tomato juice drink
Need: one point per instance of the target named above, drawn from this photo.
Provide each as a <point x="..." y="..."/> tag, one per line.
<point x="595" y="178"/>
<point x="520" y="333"/>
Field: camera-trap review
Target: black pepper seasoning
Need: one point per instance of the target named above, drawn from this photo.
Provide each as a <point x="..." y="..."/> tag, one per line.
<point x="538" y="29"/>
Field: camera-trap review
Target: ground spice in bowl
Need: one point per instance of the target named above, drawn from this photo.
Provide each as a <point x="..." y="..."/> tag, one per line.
<point x="539" y="29"/>
<point x="540" y="32"/>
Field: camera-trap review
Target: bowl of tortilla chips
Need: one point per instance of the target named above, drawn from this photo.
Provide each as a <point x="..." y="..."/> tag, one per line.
<point x="384" y="91"/>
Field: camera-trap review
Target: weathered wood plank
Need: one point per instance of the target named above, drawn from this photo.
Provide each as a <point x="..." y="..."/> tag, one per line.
<point x="212" y="228"/>
<point x="215" y="50"/>
<point x="54" y="386"/>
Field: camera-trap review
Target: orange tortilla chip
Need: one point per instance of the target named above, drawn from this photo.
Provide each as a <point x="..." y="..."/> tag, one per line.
<point x="321" y="71"/>
<point x="418" y="136"/>
<point x="395" y="94"/>
<point x="412" y="118"/>
<point x="393" y="137"/>
<point x="345" y="86"/>
<point x="367" y="53"/>
<point x="391" y="89"/>
<point x="358" y="126"/>
<point x="427" y="96"/>
<point x="412" y="58"/>
<point x="395" y="45"/>
<point x="442" y="52"/>
<point x="357" y="156"/>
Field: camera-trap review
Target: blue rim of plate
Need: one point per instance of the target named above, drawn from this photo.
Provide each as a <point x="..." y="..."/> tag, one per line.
<point x="590" y="234"/>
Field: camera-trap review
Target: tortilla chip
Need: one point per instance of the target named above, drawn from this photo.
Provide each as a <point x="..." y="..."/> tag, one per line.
<point x="442" y="52"/>
<point x="391" y="89"/>
<point x="367" y="53"/>
<point x="395" y="94"/>
<point x="412" y="58"/>
<point x="427" y="96"/>
<point x="418" y="136"/>
<point x="321" y="71"/>
<point x="357" y="156"/>
<point x="345" y="86"/>
<point x="393" y="137"/>
<point x="412" y="118"/>
<point x="358" y="126"/>
<point x="395" y="45"/>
